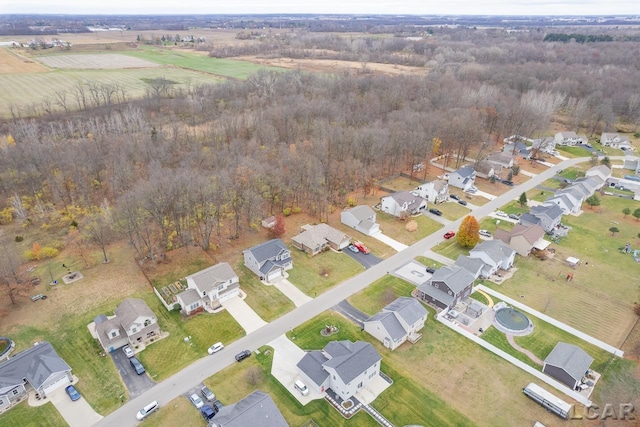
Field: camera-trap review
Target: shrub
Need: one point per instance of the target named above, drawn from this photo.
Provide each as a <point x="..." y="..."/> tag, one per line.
<point x="286" y="211"/>
<point x="19" y="239"/>
<point x="297" y="210"/>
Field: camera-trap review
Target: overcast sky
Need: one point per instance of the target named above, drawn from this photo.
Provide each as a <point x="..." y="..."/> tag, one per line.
<point x="415" y="7"/>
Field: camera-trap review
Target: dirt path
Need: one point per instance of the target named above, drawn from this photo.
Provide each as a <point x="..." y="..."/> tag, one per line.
<point x="523" y="350"/>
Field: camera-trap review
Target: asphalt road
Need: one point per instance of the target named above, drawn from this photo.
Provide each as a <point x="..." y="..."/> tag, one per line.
<point x="182" y="381"/>
<point x="136" y="384"/>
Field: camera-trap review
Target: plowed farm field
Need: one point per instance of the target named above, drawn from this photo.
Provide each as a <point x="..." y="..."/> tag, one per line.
<point x="98" y="61"/>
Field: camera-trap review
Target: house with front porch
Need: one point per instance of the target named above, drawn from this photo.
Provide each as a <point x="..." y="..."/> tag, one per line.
<point x="361" y="218"/>
<point x="435" y="192"/>
<point x="569" y="139"/>
<point x="134" y="323"/>
<point x="317" y="238"/>
<point x="522" y="238"/>
<point x="402" y="203"/>
<point x="615" y="140"/>
<point x="208" y="289"/>
<point x="463" y="178"/>
<point x="495" y="254"/>
<point x="39" y="368"/>
<point x="398" y="322"/>
<point x="269" y="260"/>
<point x="447" y="287"/>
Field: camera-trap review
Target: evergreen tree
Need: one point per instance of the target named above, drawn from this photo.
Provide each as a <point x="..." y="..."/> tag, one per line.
<point x="523" y="200"/>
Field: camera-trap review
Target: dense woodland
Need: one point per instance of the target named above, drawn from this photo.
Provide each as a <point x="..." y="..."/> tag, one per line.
<point x="209" y="163"/>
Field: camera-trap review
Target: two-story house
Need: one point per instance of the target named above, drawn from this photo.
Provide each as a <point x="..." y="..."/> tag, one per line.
<point x="546" y="215"/>
<point x="463" y="178"/>
<point x="269" y="260"/>
<point x="485" y="169"/>
<point x="361" y="218"/>
<point x="342" y="366"/>
<point x="503" y="159"/>
<point x="570" y="139"/>
<point x="600" y="171"/>
<point x="401" y="203"/>
<point x="447" y="287"/>
<point x="518" y="149"/>
<point x="208" y="288"/>
<point x="495" y="254"/>
<point x="434" y="191"/>
<point x="134" y="323"/>
<point x="615" y="140"/>
<point x="398" y="322"/>
<point x="523" y="239"/>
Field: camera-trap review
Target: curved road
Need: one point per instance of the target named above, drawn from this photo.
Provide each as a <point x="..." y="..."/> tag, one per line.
<point x="184" y="380"/>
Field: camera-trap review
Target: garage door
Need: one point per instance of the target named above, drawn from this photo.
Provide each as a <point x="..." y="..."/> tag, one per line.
<point x="60" y="382"/>
<point x="274" y="275"/>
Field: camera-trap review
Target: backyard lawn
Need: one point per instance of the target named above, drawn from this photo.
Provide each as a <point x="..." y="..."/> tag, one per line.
<point x="315" y="275"/>
<point x="402" y="183"/>
<point x="27" y="416"/>
<point x="265" y="300"/>
<point x="395" y="228"/>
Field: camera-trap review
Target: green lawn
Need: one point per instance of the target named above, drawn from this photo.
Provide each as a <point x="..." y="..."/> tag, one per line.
<point x="453" y="210"/>
<point x="179" y="411"/>
<point x="489" y="223"/>
<point x="552" y="183"/>
<point x="315" y="275"/>
<point x="218" y="66"/>
<point x="265" y="300"/>
<point x="428" y="262"/>
<point x="499" y="339"/>
<point x="479" y="297"/>
<point x="513" y="207"/>
<point x="450" y="248"/>
<point x="573" y="151"/>
<point x="572" y="172"/>
<point x="395" y="228"/>
<point x="380" y="293"/>
<point x="24" y="415"/>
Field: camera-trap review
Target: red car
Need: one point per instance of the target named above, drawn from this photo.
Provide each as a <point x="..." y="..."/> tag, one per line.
<point x="449" y="234"/>
<point x="361" y="247"/>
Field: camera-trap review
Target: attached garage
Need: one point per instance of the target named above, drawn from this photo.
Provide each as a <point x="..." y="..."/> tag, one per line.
<point x="56" y="381"/>
<point x="274" y="275"/>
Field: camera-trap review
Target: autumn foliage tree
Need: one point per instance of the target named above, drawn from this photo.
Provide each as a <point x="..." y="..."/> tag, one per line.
<point x="278" y="229"/>
<point x="468" y="232"/>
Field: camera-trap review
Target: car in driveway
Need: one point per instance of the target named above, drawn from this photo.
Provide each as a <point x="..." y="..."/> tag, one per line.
<point x="508" y="182"/>
<point x="353" y="249"/>
<point x="242" y="355"/>
<point x="127" y="351"/>
<point x="449" y="234"/>
<point x="431" y="270"/>
<point x="362" y="248"/>
<point x="454" y="196"/>
<point x="72" y="392"/>
<point x="500" y="213"/>
<point x="207" y="394"/>
<point x="435" y="212"/>
<point x="514" y="216"/>
<point x="472" y="189"/>
<point x="197" y="402"/>
<point x="137" y="366"/>
<point x="215" y="348"/>
<point x="462" y="202"/>
<point x="208" y="412"/>
<point x="485" y="233"/>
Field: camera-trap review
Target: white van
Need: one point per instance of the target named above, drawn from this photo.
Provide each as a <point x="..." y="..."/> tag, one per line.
<point x="301" y="387"/>
<point x="147" y="410"/>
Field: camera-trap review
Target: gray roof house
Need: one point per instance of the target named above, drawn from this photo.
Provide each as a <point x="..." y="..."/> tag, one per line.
<point x="472" y="265"/>
<point x="486" y="169"/>
<point x="567" y="201"/>
<point x="257" y="409"/>
<point x="316" y="238"/>
<point x="342" y="366"/>
<point x="134" y="323"/>
<point x="398" y="322"/>
<point x="269" y="260"/>
<point x="38" y="367"/>
<point x="601" y="171"/>
<point x="448" y="286"/>
<point x="546" y="215"/>
<point x="523" y="238"/>
<point x="615" y="140"/>
<point x="463" y="178"/>
<point x="434" y="191"/>
<point x="632" y="163"/>
<point x="398" y="203"/>
<point x="503" y="159"/>
<point x="208" y="288"/>
<point x="569" y="138"/>
<point x="567" y="363"/>
<point x="361" y="218"/>
<point x="546" y="144"/>
<point x="495" y="254"/>
<point x="518" y="148"/>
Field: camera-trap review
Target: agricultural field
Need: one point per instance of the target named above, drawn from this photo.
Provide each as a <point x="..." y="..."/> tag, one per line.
<point x="95" y="62"/>
<point x="12" y="62"/>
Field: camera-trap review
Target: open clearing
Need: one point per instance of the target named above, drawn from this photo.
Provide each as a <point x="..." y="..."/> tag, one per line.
<point x="13" y="63"/>
<point x="95" y="62"/>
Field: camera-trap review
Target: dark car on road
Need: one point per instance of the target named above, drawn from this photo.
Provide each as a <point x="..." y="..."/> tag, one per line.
<point x="435" y="212"/>
<point x="243" y="355"/>
<point x="454" y="197"/>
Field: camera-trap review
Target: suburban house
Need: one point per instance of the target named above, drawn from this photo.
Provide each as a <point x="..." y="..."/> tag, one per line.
<point x="486" y="169"/>
<point x="600" y="171"/>
<point x="39" y="368"/>
<point x="518" y="149"/>
<point x="615" y="140"/>
<point x="398" y="322"/>
<point x="463" y="178"/>
<point x="134" y="323"/>
<point x="256" y="409"/>
<point x="447" y="287"/>
<point x="546" y="144"/>
<point x="317" y="238"/>
<point x="495" y="255"/>
<point x="269" y="222"/>
<point x="633" y="164"/>
<point x="397" y="203"/>
<point x="546" y="215"/>
<point x="503" y="159"/>
<point x="522" y="238"/>
<point x="269" y="260"/>
<point x="567" y="363"/>
<point x="472" y="265"/>
<point x="569" y="138"/>
<point x="567" y="201"/>
<point x="342" y="366"/>
<point x="362" y="218"/>
<point x="434" y="191"/>
<point x="207" y="289"/>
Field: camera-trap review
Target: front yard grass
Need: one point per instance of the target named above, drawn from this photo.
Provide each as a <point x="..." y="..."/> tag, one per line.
<point x="265" y="300"/>
<point x="450" y="248"/>
<point x="490" y="224"/>
<point x="428" y="262"/>
<point x="380" y="293"/>
<point x="315" y="275"/>
<point x="574" y="151"/>
<point x="395" y="228"/>
<point x="24" y="415"/>
<point x="175" y="413"/>
<point x="453" y="210"/>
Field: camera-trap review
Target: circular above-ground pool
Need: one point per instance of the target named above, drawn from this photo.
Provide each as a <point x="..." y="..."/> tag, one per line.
<point x="512" y="321"/>
<point x="6" y="345"/>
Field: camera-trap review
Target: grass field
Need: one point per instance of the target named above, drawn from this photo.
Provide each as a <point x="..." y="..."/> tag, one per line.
<point x="453" y="210"/>
<point x="381" y="292"/>
<point x="26" y="416"/>
<point x="315" y="275"/>
<point x="265" y="300"/>
<point x="395" y="228"/>
<point x="450" y="248"/>
<point x="95" y="61"/>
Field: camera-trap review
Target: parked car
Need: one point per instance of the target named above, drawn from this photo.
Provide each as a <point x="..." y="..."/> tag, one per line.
<point x="72" y="392"/>
<point x="38" y="297"/>
<point x="514" y="216"/>
<point x="435" y="212"/>
<point x="352" y="248"/>
<point x="197" y="402"/>
<point x="500" y="213"/>
<point x="508" y="182"/>
<point x="208" y="412"/>
<point x="361" y="247"/>
<point x="215" y="348"/>
<point x="449" y="234"/>
<point x="207" y="394"/>
<point x="462" y="202"/>
<point x="454" y="196"/>
<point x="127" y="351"/>
<point x="243" y="355"/>
<point x="431" y="270"/>
<point x="301" y="387"/>
<point x="147" y="410"/>
<point x="485" y="233"/>
<point x="137" y="366"/>
<point x="472" y="189"/>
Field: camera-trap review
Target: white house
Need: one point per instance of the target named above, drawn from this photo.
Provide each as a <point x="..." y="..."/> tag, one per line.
<point x="495" y="255"/>
<point x="207" y="289"/>
<point x="569" y="138"/>
<point x="269" y="260"/>
<point x="361" y="218"/>
<point x="567" y="201"/>
<point x="434" y="191"/>
<point x="615" y="140"/>
<point x="503" y="159"/>
<point x="398" y="322"/>
<point x="342" y="366"/>
<point x="601" y="171"/>
<point x="397" y="204"/>
<point x="463" y="178"/>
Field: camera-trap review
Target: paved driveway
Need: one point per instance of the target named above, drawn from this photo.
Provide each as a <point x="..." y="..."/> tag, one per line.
<point x="76" y="414"/>
<point x="244" y="315"/>
<point x="292" y="292"/>
<point x="350" y="312"/>
<point x="366" y="260"/>
<point x="136" y="384"/>
<point x="389" y="241"/>
<point x="413" y="272"/>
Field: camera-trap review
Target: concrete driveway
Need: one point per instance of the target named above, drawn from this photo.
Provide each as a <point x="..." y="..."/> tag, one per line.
<point x="366" y="260"/>
<point x="76" y="414"/>
<point x="286" y="356"/>
<point x="136" y="384"/>
<point x="244" y="315"/>
<point x="389" y="241"/>
<point x="292" y="292"/>
<point x="413" y="272"/>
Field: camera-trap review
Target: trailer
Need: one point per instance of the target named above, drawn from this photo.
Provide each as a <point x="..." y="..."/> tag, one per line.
<point x="548" y="401"/>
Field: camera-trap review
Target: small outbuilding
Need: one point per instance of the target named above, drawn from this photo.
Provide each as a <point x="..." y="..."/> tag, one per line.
<point x="568" y="364"/>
